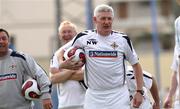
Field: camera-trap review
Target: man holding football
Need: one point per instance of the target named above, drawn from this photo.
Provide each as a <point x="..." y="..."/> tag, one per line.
<point x="106" y="53"/>
<point x="14" y="68"/>
<point x="69" y="82"/>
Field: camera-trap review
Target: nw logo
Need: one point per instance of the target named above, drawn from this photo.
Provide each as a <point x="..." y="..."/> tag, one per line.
<point x="91" y="41"/>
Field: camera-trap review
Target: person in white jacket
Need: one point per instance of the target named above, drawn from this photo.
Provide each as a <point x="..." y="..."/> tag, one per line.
<point x="70" y="86"/>
<point x="175" y="84"/>
<point x="149" y="85"/>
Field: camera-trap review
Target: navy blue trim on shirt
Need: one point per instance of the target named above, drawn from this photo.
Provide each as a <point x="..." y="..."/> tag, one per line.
<point x="128" y="41"/>
<point x="83" y="84"/>
<point x="50" y="88"/>
<point x="133" y="77"/>
<point x="144" y="75"/>
<point x="78" y="36"/>
<point x="124" y="68"/>
<point x="16" y="54"/>
<point x="147" y="76"/>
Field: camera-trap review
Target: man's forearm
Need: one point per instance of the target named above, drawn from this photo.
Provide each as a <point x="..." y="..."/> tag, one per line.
<point x="61" y="76"/>
<point x="154" y="92"/>
<point x="138" y="75"/>
<point x="77" y="76"/>
<point x="174" y="84"/>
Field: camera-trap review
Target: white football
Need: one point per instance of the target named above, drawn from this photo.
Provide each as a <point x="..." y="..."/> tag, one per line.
<point x="30" y="89"/>
<point x="77" y="52"/>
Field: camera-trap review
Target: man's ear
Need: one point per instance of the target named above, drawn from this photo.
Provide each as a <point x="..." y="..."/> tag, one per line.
<point x="94" y="19"/>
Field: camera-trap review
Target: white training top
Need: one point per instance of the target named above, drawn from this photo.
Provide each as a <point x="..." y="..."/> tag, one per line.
<point x="70" y="93"/>
<point x="175" y="67"/>
<point x="177" y="52"/>
<point x="177" y="33"/>
<point x="105" y="58"/>
<point x="131" y="82"/>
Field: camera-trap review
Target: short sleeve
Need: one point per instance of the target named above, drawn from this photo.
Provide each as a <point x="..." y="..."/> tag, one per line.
<point x="130" y="53"/>
<point x="147" y="77"/>
<point x="174" y="65"/>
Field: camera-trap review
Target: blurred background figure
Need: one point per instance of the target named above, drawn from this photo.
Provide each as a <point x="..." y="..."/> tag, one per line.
<point x="15" y="67"/>
<point x="150" y="85"/>
<point x="175" y="84"/>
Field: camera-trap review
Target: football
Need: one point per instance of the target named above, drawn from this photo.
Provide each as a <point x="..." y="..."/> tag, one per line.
<point x="78" y="53"/>
<point x="30" y="89"/>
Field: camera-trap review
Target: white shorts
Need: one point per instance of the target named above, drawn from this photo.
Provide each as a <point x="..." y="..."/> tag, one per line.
<point x="73" y="107"/>
<point x="176" y="105"/>
<point x="117" y="98"/>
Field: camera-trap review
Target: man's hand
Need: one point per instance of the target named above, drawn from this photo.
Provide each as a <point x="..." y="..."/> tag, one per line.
<point x="156" y="106"/>
<point x="137" y="100"/>
<point x="72" y="65"/>
<point x="47" y="104"/>
<point x="168" y="103"/>
<point x="78" y="75"/>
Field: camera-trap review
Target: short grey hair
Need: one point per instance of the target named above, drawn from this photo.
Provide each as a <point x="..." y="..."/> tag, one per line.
<point x="103" y="8"/>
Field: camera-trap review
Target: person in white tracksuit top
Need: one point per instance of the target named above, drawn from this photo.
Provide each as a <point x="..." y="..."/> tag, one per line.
<point x="15" y="67"/>
<point x="149" y="85"/>
<point x="175" y="81"/>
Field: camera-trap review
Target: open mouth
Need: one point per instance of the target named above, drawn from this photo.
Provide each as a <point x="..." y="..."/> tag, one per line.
<point x="106" y="27"/>
<point x="1" y="46"/>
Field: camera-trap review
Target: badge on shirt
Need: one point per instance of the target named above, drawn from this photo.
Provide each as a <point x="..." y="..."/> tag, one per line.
<point x="114" y="45"/>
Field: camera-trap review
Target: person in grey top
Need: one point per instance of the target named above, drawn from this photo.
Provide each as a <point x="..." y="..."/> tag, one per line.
<point x="14" y="68"/>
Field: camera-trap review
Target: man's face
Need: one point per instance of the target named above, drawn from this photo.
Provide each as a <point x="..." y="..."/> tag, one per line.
<point x="4" y="43"/>
<point x="103" y="23"/>
<point x="67" y="33"/>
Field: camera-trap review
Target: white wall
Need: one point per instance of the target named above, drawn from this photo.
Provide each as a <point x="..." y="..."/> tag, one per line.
<point x="32" y="23"/>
